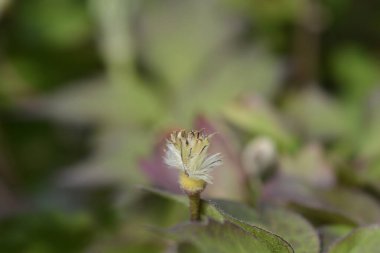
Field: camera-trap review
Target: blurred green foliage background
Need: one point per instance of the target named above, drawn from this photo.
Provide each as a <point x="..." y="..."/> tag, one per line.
<point x="88" y="90"/>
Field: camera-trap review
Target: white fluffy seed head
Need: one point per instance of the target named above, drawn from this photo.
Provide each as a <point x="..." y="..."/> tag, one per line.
<point x="187" y="152"/>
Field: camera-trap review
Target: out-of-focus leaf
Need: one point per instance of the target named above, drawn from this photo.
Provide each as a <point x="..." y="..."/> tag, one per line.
<point x="39" y="151"/>
<point x="114" y="160"/>
<point x="330" y="234"/>
<point x="367" y="175"/>
<point x="187" y="248"/>
<point x="114" y="19"/>
<point x="12" y="84"/>
<point x="234" y="74"/>
<point x="367" y="168"/>
<point x="356" y="72"/>
<point x="283" y="191"/>
<point x="43" y="232"/>
<point x="268" y="17"/>
<point x="133" y="248"/>
<point x="168" y="195"/>
<point x="257" y="118"/>
<point x="335" y="205"/>
<point x="60" y="32"/>
<point x="186" y="56"/>
<point x="3" y="6"/>
<point x="316" y="115"/>
<point x="355" y="204"/>
<point x="310" y="165"/>
<point x="179" y="37"/>
<point x="362" y="240"/>
<point x="369" y="144"/>
<point x="98" y="100"/>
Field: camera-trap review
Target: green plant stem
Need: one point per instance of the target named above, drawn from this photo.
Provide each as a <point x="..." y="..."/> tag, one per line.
<point x="195" y="206"/>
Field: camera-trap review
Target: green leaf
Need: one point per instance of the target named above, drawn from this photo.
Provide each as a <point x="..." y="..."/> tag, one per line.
<point x="290" y="226"/>
<point x="309" y="165"/>
<point x="260" y="120"/>
<point x="329" y="205"/>
<point x="60" y="32"/>
<point x="367" y="169"/>
<point x="187" y="248"/>
<point x="43" y="231"/>
<point x="357" y="205"/>
<point x="268" y="240"/>
<point x="174" y="197"/>
<point x="293" y="228"/>
<point x="178" y="37"/>
<point x="362" y="240"/>
<point x="226" y="237"/>
<point x="322" y="215"/>
<point x="356" y="72"/>
<point x="100" y="100"/>
<point x="110" y="167"/>
<point x="331" y="233"/>
<point x="249" y="70"/>
<point x="332" y="119"/>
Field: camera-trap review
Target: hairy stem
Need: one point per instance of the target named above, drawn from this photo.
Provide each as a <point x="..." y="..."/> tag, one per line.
<point x="195" y="206"/>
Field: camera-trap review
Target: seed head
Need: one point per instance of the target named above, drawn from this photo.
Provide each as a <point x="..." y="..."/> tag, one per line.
<point x="187" y="152"/>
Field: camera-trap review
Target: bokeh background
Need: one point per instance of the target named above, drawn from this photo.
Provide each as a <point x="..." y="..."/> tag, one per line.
<point x="89" y="90"/>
